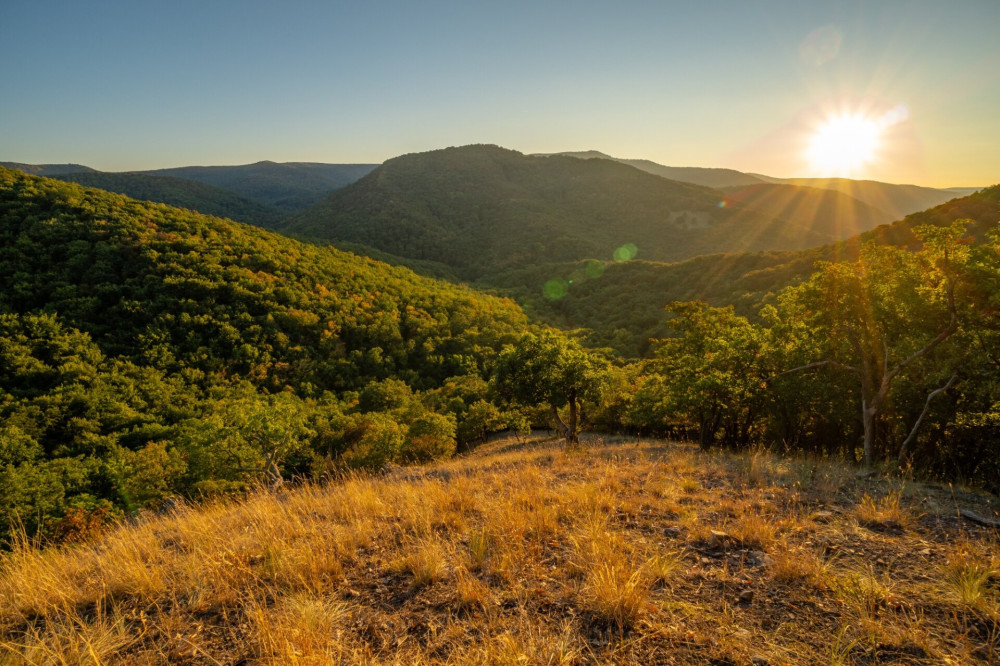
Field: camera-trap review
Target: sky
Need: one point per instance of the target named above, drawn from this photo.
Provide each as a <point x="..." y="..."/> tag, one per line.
<point x="745" y="85"/>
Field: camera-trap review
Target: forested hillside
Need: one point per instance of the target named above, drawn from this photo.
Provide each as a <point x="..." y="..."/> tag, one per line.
<point x="288" y="186"/>
<point x="48" y="170"/>
<point x="484" y="210"/>
<point x="147" y="351"/>
<point x="708" y="177"/>
<point x="896" y="200"/>
<point x="889" y="199"/>
<point x="603" y="297"/>
<point x="191" y="194"/>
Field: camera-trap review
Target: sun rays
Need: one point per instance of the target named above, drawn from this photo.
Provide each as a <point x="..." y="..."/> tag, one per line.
<point x="846" y="143"/>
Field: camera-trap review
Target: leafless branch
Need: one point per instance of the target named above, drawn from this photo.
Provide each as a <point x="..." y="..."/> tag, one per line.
<point x="813" y="366"/>
<point x="941" y="337"/>
<point x="916" y="426"/>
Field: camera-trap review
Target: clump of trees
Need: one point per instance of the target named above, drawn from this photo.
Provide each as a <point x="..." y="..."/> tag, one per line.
<point x="889" y="357"/>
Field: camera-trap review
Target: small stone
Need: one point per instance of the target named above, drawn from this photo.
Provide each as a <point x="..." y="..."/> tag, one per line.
<point x="718" y="539"/>
<point x="672" y="531"/>
<point x="746" y="596"/>
<point x="760" y="661"/>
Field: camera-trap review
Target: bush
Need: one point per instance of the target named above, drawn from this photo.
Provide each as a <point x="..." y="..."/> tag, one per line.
<point x="373" y="440"/>
<point x="430" y="436"/>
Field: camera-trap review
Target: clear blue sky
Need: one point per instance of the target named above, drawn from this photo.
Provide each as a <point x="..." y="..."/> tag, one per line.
<point x="142" y="84"/>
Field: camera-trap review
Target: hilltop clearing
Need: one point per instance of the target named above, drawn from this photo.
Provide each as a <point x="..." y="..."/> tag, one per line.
<point x="627" y="552"/>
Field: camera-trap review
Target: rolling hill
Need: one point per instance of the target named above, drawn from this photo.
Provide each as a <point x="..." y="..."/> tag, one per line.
<point x="623" y="304"/>
<point x="289" y="186"/>
<point x="128" y="273"/>
<point x="181" y="193"/>
<point x="894" y="201"/>
<point x="485" y="210"/>
<point x="709" y="177"/>
<point x="47" y="169"/>
<point x="141" y="343"/>
<point x="825" y="211"/>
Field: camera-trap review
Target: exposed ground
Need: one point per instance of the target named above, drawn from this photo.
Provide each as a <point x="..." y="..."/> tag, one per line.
<point x="620" y="552"/>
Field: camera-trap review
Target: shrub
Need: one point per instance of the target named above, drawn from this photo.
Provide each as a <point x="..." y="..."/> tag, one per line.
<point x="430" y="436"/>
<point x="374" y="440"/>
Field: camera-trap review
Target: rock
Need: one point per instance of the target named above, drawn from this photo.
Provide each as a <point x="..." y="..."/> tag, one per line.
<point x="719" y="539"/>
<point x="672" y="532"/>
<point x="746" y="596"/>
<point x="760" y="661"/>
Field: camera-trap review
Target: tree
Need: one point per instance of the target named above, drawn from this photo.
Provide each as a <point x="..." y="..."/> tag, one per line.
<point x="429" y="436"/>
<point x="549" y="368"/>
<point x="714" y="370"/>
<point x="880" y="316"/>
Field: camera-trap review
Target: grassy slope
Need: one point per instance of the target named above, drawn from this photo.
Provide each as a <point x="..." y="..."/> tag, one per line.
<point x="619" y="553"/>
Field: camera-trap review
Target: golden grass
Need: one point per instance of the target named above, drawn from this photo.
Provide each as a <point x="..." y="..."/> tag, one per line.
<point x="886" y="510"/>
<point x="524" y="554"/>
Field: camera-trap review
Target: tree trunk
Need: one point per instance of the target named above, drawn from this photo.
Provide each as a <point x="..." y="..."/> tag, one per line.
<point x="572" y="436"/>
<point x="563" y="430"/>
<point x="868" y="415"/>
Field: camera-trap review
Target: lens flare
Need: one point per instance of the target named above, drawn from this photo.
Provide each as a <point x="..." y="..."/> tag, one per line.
<point x="626" y="252"/>
<point x="594" y="268"/>
<point x="821" y="46"/>
<point x="555" y="289"/>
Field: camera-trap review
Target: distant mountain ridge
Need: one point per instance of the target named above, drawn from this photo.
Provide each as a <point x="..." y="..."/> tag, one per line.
<point x="707" y="176"/>
<point x="896" y="201"/>
<point x="483" y="209"/>
<point x="275" y="189"/>
<point x="47" y="169"/>
<point x="288" y="186"/>
<point x="190" y="194"/>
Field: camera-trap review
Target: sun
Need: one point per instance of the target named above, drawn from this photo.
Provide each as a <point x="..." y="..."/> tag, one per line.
<point x="844" y="144"/>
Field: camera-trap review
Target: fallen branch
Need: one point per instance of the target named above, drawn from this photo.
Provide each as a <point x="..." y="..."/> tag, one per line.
<point x="976" y="518"/>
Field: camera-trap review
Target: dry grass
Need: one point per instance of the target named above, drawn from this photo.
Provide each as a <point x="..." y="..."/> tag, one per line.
<point x="619" y="552"/>
<point x="885" y="510"/>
